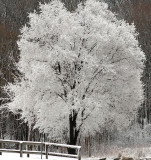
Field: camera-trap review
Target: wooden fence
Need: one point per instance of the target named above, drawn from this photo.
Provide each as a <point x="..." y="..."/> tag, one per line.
<point x="45" y="151"/>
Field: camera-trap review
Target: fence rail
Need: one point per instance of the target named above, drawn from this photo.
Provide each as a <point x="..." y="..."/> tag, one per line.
<point x="45" y="152"/>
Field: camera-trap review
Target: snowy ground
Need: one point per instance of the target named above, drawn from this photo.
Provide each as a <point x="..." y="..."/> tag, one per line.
<point x="14" y="156"/>
<point x="135" y="153"/>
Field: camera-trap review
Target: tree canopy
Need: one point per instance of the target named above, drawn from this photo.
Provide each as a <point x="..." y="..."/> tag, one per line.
<point x="80" y="71"/>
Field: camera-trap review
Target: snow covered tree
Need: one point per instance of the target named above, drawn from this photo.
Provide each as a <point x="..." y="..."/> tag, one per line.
<point x="80" y="71"/>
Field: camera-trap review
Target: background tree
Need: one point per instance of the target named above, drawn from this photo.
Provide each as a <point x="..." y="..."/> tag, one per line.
<point x="78" y="69"/>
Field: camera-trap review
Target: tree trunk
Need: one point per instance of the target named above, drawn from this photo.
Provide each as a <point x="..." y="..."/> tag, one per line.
<point x="30" y="137"/>
<point x="89" y="146"/>
<point x="73" y="132"/>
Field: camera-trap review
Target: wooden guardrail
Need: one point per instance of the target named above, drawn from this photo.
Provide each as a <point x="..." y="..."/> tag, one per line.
<point x="45" y="151"/>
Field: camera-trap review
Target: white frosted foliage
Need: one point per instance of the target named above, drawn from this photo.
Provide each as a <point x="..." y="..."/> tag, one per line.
<point x="87" y="62"/>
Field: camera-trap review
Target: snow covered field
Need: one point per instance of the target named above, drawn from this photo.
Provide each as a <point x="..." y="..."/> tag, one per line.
<point x="135" y="153"/>
<point x="14" y="156"/>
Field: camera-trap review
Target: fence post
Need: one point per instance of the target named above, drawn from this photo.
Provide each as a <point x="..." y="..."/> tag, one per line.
<point x="21" y="149"/>
<point x="47" y="151"/>
<point x="41" y="146"/>
<point x="79" y="153"/>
